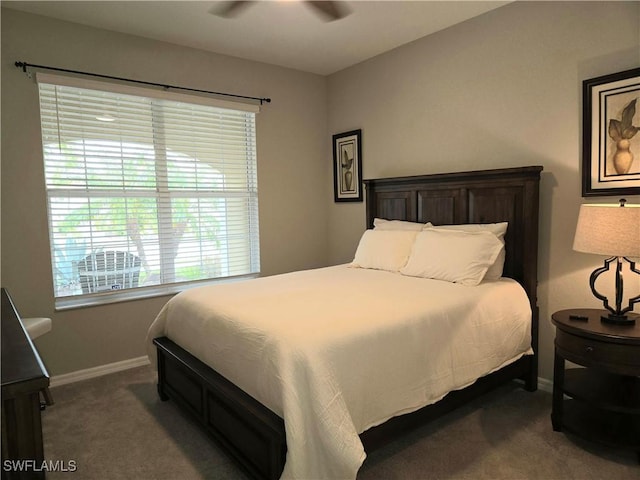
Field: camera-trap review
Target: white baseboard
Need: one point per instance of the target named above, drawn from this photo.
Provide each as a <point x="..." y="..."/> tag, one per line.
<point x="95" y="372"/>
<point x="545" y="385"/>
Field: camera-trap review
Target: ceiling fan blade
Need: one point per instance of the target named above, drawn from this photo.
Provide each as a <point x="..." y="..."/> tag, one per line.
<point x="230" y="9"/>
<point x="329" y="10"/>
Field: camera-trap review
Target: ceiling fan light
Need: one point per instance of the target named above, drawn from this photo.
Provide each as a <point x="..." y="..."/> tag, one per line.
<point x="328" y="10"/>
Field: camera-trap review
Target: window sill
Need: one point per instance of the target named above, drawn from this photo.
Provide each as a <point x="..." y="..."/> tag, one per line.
<point x="140" y="293"/>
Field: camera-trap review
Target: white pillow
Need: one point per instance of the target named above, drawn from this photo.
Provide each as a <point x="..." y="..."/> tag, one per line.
<point x="384" y="249"/>
<point x="454" y="256"/>
<point x="498" y="229"/>
<point x="382" y="224"/>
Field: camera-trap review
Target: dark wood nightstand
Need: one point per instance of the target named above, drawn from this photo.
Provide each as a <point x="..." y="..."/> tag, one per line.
<point x="600" y="402"/>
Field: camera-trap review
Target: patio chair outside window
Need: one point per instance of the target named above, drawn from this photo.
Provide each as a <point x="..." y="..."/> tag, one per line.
<point x="108" y="270"/>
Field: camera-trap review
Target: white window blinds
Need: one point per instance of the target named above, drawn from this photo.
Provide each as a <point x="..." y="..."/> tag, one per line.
<point x="146" y="190"/>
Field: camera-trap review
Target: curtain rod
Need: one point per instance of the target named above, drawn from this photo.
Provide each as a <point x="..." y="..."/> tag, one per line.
<point x="25" y="65"/>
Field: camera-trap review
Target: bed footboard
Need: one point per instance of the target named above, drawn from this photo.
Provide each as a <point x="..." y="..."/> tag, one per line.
<point x="248" y="430"/>
<point x="255" y="436"/>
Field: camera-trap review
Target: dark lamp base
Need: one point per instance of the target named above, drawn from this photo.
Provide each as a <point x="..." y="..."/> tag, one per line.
<point x="619" y="315"/>
<point x="618" y="319"/>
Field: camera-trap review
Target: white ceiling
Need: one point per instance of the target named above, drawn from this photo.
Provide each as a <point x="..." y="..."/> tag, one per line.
<point x="285" y="33"/>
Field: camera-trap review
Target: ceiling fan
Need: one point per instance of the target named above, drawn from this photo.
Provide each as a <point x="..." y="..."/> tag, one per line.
<point x="327" y="10"/>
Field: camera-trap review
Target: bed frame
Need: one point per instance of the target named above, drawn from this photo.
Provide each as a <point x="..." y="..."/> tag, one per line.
<point x="254" y="435"/>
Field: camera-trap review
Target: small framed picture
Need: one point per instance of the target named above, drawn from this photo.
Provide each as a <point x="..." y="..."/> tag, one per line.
<point x="347" y="166"/>
<point x="611" y="142"/>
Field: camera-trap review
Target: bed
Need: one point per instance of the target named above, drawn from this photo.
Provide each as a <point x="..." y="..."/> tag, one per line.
<point x="244" y="389"/>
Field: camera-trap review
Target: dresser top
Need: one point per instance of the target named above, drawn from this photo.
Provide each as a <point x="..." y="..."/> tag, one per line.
<point x="22" y="369"/>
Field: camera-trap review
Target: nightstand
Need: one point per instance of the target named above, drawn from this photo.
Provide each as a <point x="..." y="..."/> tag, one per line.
<point x="601" y="400"/>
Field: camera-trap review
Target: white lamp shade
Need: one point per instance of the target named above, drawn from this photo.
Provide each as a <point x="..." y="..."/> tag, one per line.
<point x="609" y="230"/>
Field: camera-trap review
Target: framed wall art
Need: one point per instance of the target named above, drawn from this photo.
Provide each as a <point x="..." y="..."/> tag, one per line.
<point x="611" y="142"/>
<point x="347" y="166"/>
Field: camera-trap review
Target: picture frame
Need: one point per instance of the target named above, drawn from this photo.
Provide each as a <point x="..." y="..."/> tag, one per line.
<point x="347" y="166"/>
<point x="611" y="134"/>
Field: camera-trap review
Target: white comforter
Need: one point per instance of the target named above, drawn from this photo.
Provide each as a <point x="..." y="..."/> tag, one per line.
<point x="337" y="350"/>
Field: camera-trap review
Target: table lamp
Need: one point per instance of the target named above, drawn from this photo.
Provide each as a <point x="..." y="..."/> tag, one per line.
<point x="614" y="231"/>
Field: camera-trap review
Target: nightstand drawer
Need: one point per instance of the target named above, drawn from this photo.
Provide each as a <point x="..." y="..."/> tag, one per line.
<point x="589" y="352"/>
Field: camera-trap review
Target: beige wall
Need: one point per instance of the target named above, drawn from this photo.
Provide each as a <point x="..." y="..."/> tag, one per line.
<point x="500" y="90"/>
<point x="292" y="178"/>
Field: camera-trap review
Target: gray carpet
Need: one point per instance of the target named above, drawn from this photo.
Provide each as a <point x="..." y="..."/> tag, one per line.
<point x="115" y="427"/>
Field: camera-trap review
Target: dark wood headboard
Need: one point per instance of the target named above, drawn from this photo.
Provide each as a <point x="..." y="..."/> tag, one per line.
<point x="484" y="196"/>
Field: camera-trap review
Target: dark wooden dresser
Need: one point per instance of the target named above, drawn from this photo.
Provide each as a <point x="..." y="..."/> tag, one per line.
<point x="24" y="380"/>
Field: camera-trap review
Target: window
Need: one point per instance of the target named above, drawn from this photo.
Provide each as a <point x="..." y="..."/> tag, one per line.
<point x="147" y="190"/>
